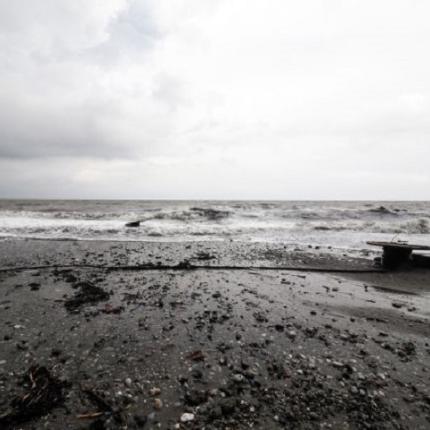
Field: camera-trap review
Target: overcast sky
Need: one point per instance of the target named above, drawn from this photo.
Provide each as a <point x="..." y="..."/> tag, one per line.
<point x="245" y="99"/>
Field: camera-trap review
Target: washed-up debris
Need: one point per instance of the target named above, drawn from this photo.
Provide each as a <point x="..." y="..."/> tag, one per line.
<point x="397" y="254"/>
<point x="34" y="286"/>
<point x="87" y="293"/>
<point x="44" y="393"/>
<point x="109" y="309"/>
<point x="196" y="356"/>
<point x="104" y="413"/>
<point x="204" y="256"/>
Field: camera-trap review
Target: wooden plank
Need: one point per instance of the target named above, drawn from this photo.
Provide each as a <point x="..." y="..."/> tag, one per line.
<point x="400" y="245"/>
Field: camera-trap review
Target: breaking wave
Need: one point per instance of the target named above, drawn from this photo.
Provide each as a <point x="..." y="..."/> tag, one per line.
<point x="296" y="222"/>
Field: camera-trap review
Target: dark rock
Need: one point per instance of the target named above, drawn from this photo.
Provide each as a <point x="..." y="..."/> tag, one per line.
<point x="34" y="286"/>
<point x="195" y="397"/>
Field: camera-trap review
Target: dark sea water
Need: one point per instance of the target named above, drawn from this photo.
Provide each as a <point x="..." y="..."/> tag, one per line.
<point x="343" y="225"/>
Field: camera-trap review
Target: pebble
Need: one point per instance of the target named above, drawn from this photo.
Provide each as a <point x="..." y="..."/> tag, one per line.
<point x="238" y="377"/>
<point x="158" y="404"/>
<point x="128" y="382"/>
<point x="155" y="391"/>
<point x="292" y="334"/>
<point x="186" y="417"/>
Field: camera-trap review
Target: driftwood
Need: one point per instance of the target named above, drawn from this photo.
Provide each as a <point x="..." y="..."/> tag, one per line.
<point x="397" y="254"/>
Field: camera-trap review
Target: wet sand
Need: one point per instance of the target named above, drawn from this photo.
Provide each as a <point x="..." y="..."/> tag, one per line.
<point x="223" y="349"/>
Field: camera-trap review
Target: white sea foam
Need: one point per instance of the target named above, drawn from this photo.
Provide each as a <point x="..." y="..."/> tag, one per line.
<point x="344" y="224"/>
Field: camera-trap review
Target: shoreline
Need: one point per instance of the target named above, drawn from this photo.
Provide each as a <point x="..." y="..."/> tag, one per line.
<point x="230" y="349"/>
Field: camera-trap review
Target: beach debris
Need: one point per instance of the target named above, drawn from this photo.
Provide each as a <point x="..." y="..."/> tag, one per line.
<point x="133" y="224"/>
<point x="396" y="254"/>
<point x="44" y="393"/>
<point x="196" y="356"/>
<point x="108" y="412"/>
<point x="204" y="256"/>
<point x="109" y="309"/>
<point x="34" y="286"/>
<point x="89" y="415"/>
<point x="397" y="305"/>
<point x="87" y="293"/>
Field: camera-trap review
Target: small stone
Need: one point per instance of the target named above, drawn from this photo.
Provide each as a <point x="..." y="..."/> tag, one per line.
<point x="140" y="420"/>
<point x="186" y="417"/>
<point x="292" y="334"/>
<point x="128" y="382"/>
<point x="312" y="364"/>
<point x="238" y="377"/>
<point x="155" y="391"/>
<point x="158" y="404"/>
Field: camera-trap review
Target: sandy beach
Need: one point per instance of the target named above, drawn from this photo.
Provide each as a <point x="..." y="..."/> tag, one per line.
<point x="90" y="347"/>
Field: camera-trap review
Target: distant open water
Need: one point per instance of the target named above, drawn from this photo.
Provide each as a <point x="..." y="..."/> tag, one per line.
<point x="343" y="225"/>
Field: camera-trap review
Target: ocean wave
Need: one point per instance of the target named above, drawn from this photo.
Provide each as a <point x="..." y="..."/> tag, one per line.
<point x="248" y="221"/>
<point x="419" y="226"/>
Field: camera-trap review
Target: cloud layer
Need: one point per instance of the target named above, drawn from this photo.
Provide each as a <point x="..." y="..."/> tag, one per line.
<point x="226" y="99"/>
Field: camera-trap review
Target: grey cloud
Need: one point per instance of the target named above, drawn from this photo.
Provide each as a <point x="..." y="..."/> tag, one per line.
<point x="58" y="96"/>
<point x="178" y="89"/>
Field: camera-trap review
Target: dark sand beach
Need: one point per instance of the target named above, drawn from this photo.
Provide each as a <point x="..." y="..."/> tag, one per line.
<point x="89" y="341"/>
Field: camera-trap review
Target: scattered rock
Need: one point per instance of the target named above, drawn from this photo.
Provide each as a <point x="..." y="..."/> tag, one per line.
<point x="187" y="417"/>
<point x="155" y="391"/>
<point x="158" y="404"/>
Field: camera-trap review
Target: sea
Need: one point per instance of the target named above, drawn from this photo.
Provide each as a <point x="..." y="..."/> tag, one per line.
<point x="335" y="224"/>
